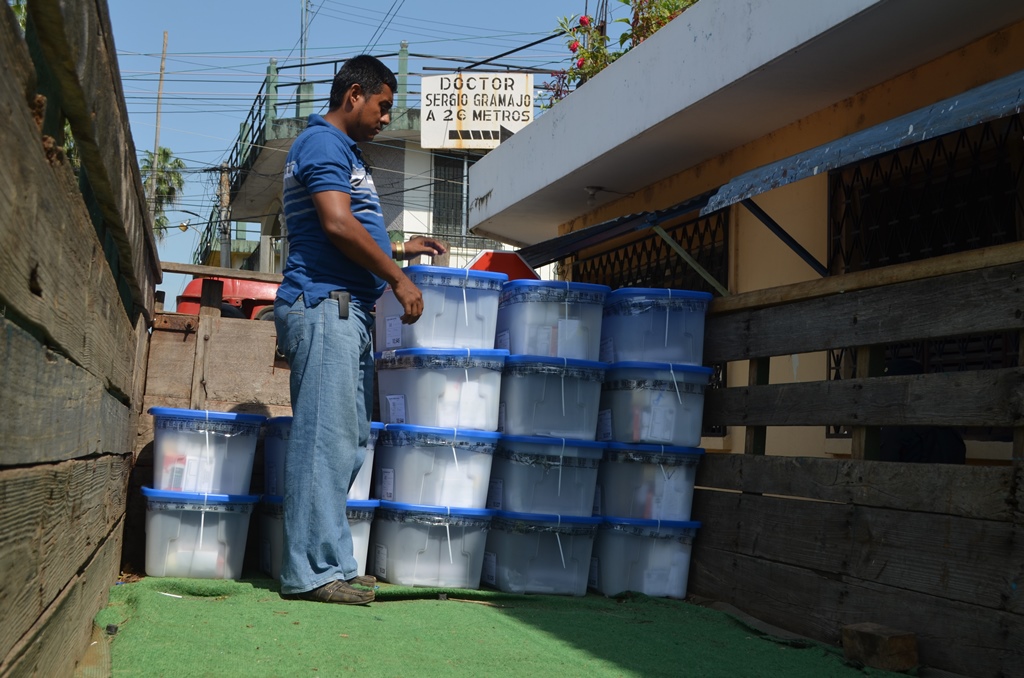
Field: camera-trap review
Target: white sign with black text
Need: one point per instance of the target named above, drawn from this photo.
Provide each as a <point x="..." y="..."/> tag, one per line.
<point x="474" y="110"/>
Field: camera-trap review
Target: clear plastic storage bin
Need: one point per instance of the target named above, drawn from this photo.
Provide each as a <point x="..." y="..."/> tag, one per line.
<point x="646" y="481"/>
<point x="532" y="553"/>
<point x="275" y="447"/>
<point x="360" y="517"/>
<point x="544" y="475"/>
<point x="429" y="545"/>
<point x="653" y="403"/>
<point x="654" y="325"/>
<point x="203" y="451"/>
<point x="460" y="308"/>
<point x="555" y="397"/>
<point x="198" y="536"/>
<point x="549" y="318"/>
<point x="434" y="466"/>
<point x="446" y="388"/>
<point x="646" y="556"/>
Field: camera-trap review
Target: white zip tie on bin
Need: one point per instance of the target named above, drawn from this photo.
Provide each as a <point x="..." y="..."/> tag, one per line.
<point x="558" y="538"/>
<point x="465" y="304"/>
<point x="565" y="367"/>
<point x="674" y="383"/>
<point x="447" y="529"/>
<point x="561" y="460"/>
<point x="455" y="439"/>
<point x="664" y="475"/>
<point x="668" y="309"/>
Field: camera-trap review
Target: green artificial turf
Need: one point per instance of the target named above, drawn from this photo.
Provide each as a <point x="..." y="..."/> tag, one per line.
<point x="244" y="628"/>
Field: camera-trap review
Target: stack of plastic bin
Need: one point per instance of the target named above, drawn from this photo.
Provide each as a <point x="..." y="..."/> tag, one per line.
<point x="652" y="405"/>
<point x="438" y="383"/>
<point x="545" y="468"/>
<point x="359" y="508"/>
<point x="197" y="512"/>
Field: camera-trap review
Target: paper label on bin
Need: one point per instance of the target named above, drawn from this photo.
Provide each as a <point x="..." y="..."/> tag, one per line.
<point x="392" y="332"/>
<point x="502" y="341"/>
<point x="607" y="350"/>
<point x="545" y="342"/>
<point x="494" y="490"/>
<point x="387" y="484"/>
<point x="592" y="577"/>
<point x="489" y="573"/>
<point x="571" y="341"/>
<point x="604" y="425"/>
<point x="660" y="424"/>
<point x="396" y="409"/>
<point x="380" y="561"/>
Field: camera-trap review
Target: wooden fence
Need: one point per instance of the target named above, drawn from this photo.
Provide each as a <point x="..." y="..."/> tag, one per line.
<point x="78" y="268"/>
<point x="811" y="545"/>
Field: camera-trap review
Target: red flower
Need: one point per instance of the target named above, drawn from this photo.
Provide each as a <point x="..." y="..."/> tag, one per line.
<point x="574" y="45"/>
<point x="584" y="21"/>
<point x="579" y="63"/>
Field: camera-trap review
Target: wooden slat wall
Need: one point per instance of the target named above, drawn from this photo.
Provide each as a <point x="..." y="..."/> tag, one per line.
<point x="72" y="357"/>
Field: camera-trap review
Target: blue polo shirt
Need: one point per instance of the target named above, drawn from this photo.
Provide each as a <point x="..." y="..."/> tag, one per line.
<point x="323" y="158"/>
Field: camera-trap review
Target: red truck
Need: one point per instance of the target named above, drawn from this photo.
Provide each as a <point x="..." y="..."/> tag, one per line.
<point x="240" y="299"/>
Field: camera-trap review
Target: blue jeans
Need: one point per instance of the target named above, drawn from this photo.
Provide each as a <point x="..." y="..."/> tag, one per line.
<point x="332" y="390"/>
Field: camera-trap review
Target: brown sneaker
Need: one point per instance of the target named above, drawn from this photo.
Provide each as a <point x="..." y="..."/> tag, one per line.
<point x="338" y="591"/>
<point x="367" y="580"/>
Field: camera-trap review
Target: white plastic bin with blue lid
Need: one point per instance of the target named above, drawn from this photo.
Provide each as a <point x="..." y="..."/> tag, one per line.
<point x="358" y="511"/>
<point x="196" y="535"/>
<point x="445" y="388"/>
<point x="551" y="318"/>
<point x="539" y="553"/>
<point x="434" y="466"/>
<point x="654" y="325"/>
<point x="275" y="447"/>
<point x="646" y="481"/>
<point x="531" y="474"/>
<point x="460" y="309"/>
<point x="651" y="557"/>
<point x="203" y="451"/>
<point x="653" y="403"/>
<point x="555" y="397"/>
<point x="416" y="545"/>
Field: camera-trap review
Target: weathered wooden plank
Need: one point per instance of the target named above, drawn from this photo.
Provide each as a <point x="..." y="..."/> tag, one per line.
<point x="921" y="309"/>
<point x="53" y="409"/>
<point x="60" y="637"/>
<point x="171" y="356"/>
<point x="966" y="491"/>
<point x="218" y="272"/>
<point x="52" y="517"/>
<point x="981" y="398"/>
<point x="241" y="365"/>
<point x="80" y="50"/>
<point x="966" y="559"/>
<point x="53" y="273"/>
<point x="965" y="639"/>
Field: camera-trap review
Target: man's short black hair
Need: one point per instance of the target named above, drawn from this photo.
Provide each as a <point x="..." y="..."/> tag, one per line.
<point x="366" y="71"/>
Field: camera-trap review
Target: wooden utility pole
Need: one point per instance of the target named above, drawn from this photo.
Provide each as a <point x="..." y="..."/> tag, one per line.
<point x="224" y="193"/>
<point x="156" y="141"/>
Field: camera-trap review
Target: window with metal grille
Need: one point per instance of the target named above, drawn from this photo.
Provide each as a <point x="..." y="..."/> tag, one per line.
<point x="958" y="192"/>
<point x="448" y="200"/>
<point x="649" y="261"/>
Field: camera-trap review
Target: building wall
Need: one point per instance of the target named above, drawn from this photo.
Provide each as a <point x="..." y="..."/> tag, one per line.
<point x="760" y="260"/>
<point x="418" y="171"/>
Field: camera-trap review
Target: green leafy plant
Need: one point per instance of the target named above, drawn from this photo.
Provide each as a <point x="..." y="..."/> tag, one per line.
<point x="163" y="182"/>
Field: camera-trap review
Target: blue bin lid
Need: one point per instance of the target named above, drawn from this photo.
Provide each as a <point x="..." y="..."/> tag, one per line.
<point x="675" y="367"/>
<point x="483" y="353"/>
<point x="273" y="499"/>
<point x="421" y="269"/>
<point x="440" y="510"/>
<point x="362" y="503"/>
<point x="206" y="415"/>
<point x="653" y="449"/>
<point x="376" y="425"/>
<point x="521" y="359"/>
<point x="541" y="440"/>
<point x="549" y="518"/>
<point x="459" y="434"/>
<point x="199" y="497"/>
<point x="647" y="522"/>
<point x="279" y="421"/>
<point x="555" y="284"/>
<point x="656" y="292"/>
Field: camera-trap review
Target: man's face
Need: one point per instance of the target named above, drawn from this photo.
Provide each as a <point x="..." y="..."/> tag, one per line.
<point x="373" y="114"/>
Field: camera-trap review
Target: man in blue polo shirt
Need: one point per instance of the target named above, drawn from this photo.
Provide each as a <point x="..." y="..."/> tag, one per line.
<point x="339" y="262"/>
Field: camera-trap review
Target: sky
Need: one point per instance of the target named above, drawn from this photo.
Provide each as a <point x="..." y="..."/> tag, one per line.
<point x="218" y="52"/>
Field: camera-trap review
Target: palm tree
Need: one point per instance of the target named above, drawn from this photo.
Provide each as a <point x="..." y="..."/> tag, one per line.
<point x="163" y="182"/>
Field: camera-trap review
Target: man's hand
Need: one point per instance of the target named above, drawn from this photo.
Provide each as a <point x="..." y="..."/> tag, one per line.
<point x="421" y="244"/>
<point x="409" y="296"/>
